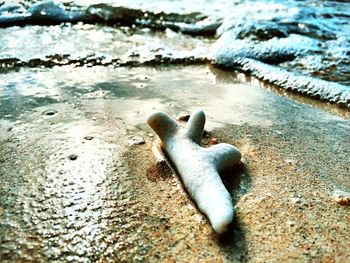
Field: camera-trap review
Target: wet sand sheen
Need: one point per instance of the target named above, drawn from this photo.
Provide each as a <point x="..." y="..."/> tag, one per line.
<point x="73" y="188"/>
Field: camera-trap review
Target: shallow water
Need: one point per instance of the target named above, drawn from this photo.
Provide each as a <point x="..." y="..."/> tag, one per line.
<point x="302" y="46"/>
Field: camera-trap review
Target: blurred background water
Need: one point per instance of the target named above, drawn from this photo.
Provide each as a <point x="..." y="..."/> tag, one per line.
<point x="298" y="45"/>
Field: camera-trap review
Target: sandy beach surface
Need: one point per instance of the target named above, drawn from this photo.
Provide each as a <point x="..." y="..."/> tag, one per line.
<point x="79" y="182"/>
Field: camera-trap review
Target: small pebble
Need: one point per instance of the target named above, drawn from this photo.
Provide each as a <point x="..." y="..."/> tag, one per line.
<point x="345" y="201"/>
<point x="184" y="117"/>
<point x="136" y="140"/>
<point x="290" y="161"/>
<point x="89" y="138"/>
<point x="290" y="222"/>
<point x="342" y="197"/>
<point x="73" y="157"/>
<point x="49" y="112"/>
<point x="213" y="141"/>
<point x="295" y="200"/>
<point x="278" y="132"/>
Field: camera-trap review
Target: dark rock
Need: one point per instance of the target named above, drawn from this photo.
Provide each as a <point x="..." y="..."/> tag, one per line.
<point x="73" y="157"/>
<point x="49" y="112"/>
<point x="184" y="117"/>
<point x="136" y="140"/>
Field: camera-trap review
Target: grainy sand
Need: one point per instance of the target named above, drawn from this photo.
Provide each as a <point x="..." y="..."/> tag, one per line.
<point x="73" y="188"/>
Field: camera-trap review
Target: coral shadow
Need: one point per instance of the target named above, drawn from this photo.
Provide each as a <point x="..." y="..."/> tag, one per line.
<point x="237" y="181"/>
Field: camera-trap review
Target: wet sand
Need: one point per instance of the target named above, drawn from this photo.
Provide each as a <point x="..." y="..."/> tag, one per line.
<point x="75" y="188"/>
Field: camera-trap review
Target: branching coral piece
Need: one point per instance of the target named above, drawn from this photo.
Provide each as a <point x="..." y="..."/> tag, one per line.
<point x="199" y="167"/>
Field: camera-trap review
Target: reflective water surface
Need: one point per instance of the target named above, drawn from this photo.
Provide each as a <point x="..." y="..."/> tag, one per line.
<point x="298" y="45"/>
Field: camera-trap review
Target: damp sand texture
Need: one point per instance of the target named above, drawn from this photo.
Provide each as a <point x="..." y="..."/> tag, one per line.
<point x="79" y="181"/>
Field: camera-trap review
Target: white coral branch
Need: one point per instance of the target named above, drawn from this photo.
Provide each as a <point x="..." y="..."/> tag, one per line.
<point x="199" y="167"/>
